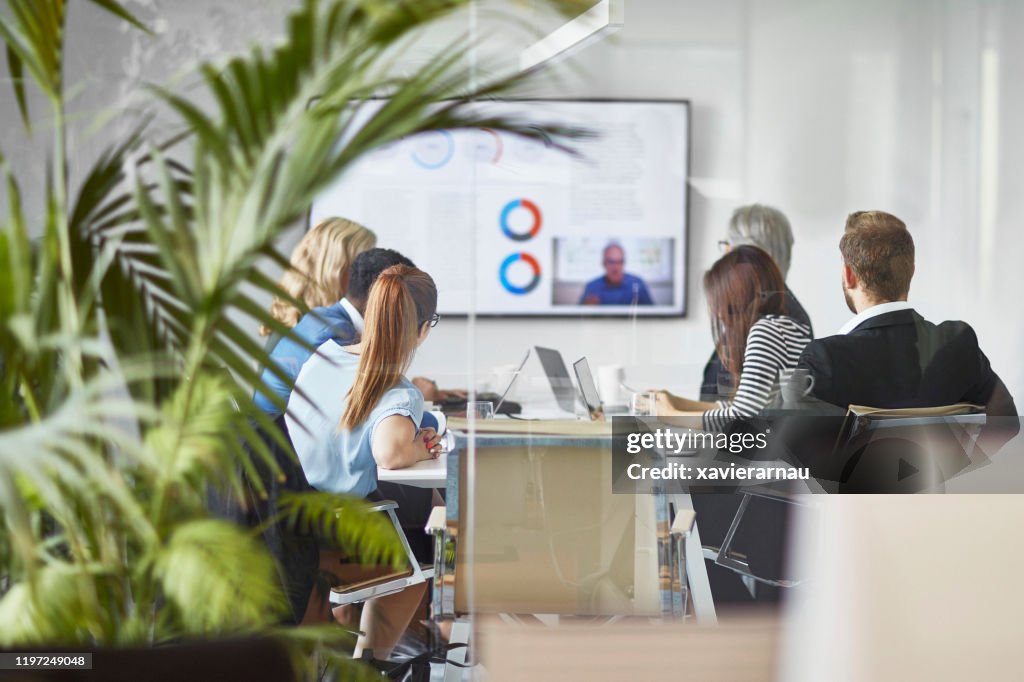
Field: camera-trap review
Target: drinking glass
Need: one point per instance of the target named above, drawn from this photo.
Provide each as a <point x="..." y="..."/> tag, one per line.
<point x="643" y="404"/>
<point x="480" y="409"/>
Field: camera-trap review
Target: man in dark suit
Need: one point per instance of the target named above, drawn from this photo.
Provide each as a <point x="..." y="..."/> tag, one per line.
<point x="889" y="356"/>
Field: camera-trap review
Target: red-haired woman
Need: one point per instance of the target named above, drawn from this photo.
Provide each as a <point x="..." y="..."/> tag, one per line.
<point x="354" y="410"/>
<point x="753" y="335"/>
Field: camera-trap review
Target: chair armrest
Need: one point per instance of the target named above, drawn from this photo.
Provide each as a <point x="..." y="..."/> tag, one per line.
<point x="438" y="521"/>
<point x="683" y="523"/>
<point x="383" y="505"/>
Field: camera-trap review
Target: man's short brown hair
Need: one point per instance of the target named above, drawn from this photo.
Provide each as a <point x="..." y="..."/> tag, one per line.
<point x="880" y="251"/>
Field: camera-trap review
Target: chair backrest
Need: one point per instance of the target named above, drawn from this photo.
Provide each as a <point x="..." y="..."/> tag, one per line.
<point x="954" y="410"/>
<point x="548" y="534"/>
<point x="907" y="449"/>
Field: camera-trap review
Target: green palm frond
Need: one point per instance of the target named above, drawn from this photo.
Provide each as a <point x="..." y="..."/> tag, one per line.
<point x="316" y="648"/>
<point x="347" y="523"/>
<point x="34" y="39"/>
<point x="65" y="603"/>
<point x="219" y="579"/>
<point x="50" y="463"/>
<point x="201" y="423"/>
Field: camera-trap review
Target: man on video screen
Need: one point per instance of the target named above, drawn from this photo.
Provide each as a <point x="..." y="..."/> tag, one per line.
<point x="616" y="286"/>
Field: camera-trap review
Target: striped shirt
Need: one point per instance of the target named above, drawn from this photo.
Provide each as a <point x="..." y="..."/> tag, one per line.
<point x="774" y="344"/>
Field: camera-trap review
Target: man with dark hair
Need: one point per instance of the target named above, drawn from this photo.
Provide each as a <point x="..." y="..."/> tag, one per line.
<point x="888" y="356"/>
<point x="342" y="321"/>
<point x="364" y="272"/>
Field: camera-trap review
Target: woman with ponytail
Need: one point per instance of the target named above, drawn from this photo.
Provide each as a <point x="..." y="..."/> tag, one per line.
<point x="353" y="410"/>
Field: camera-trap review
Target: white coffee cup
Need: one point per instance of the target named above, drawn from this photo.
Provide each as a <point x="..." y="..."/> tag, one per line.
<point x="609" y="379"/>
<point x="795" y="385"/>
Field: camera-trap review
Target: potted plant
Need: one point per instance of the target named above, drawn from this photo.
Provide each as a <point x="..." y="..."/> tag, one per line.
<point x="125" y="373"/>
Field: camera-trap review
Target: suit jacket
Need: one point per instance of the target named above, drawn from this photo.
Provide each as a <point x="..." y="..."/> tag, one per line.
<point x="899" y="359"/>
<point x="714" y="366"/>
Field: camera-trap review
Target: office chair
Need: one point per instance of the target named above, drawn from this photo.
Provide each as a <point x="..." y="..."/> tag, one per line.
<point x="877" y="450"/>
<point x="905" y="450"/>
<point x="297" y="551"/>
<point x="354" y="590"/>
<point x="727" y="556"/>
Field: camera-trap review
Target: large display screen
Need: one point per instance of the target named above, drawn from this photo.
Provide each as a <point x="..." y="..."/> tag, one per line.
<point x="510" y="226"/>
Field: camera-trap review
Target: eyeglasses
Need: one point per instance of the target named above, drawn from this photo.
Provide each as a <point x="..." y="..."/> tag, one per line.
<point x="724" y="245"/>
<point x="434" y="319"/>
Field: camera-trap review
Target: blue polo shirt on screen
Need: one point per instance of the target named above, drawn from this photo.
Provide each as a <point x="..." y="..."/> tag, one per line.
<point x="631" y="288"/>
<point x="340" y="322"/>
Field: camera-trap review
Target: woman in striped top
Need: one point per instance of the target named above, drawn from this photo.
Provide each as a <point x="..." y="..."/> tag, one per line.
<point x="753" y="335"/>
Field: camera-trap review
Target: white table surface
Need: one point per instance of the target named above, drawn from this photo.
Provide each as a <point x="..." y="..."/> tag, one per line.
<point x="432" y="473"/>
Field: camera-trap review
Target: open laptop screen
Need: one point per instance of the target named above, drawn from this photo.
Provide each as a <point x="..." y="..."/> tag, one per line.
<point x="587" y="387"/>
<point x="558" y="375"/>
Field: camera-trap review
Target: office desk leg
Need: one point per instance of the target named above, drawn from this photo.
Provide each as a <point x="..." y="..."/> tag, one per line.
<point x="696" y="570"/>
<point x="460" y="635"/>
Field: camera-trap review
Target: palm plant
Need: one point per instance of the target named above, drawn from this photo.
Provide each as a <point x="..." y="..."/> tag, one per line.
<point x="125" y="373"/>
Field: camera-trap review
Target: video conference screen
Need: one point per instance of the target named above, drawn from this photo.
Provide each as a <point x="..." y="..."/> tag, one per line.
<point x="509" y="226"/>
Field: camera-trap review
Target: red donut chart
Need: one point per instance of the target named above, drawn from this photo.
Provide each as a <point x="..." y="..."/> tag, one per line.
<point x="519" y="290"/>
<point x="527" y="205"/>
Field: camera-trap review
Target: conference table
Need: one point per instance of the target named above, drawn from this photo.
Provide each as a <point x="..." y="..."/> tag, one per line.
<point x="443" y="473"/>
<point x="428" y="474"/>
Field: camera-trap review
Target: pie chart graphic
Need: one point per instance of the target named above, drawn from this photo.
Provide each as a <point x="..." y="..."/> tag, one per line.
<point x="485" y="147"/>
<point x="519" y="273"/>
<point x="434" y="149"/>
<point x="521" y="212"/>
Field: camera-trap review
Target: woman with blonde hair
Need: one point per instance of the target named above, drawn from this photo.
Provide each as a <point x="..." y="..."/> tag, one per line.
<point x="353" y="410"/>
<point x="318" y="275"/>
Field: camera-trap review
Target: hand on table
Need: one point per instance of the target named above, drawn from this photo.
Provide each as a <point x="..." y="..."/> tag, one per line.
<point x="663" y="403"/>
<point x="431" y="443"/>
<point x="668" y="404"/>
<point x="431" y="393"/>
<point x="428" y="387"/>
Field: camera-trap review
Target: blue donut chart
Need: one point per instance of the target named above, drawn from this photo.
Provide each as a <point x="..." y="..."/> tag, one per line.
<point x="511" y="260"/>
<point x="527" y="205"/>
<point x="430" y="164"/>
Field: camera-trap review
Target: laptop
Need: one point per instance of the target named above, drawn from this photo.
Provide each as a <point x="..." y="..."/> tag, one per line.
<point x="515" y="375"/>
<point x="588" y="389"/>
<point x="457" y="404"/>
<point x="558" y="376"/>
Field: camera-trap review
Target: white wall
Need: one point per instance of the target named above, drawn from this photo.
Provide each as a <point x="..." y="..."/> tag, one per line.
<point x="820" y="108"/>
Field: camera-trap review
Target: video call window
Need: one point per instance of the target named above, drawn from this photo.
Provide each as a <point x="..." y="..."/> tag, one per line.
<point x="610" y="271"/>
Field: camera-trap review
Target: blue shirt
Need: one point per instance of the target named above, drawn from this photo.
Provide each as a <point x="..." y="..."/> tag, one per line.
<point x="622" y="294"/>
<point x="315" y="327"/>
<point x="335" y="459"/>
